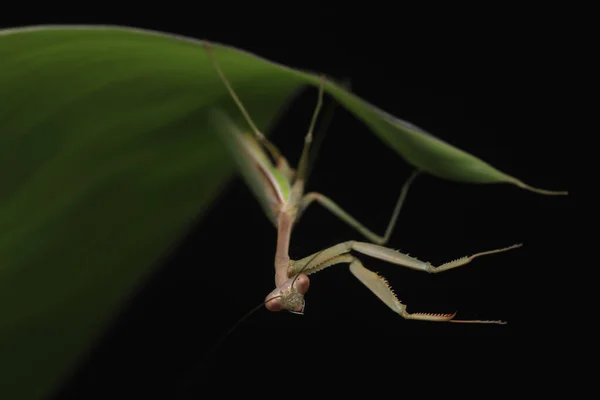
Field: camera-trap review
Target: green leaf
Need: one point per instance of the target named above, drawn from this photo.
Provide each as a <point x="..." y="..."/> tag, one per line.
<point x="107" y="155"/>
<point x="422" y="149"/>
<point x="105" y="159"/>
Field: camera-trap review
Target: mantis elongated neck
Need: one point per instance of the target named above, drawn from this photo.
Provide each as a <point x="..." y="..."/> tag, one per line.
<point x="282" y="257"/>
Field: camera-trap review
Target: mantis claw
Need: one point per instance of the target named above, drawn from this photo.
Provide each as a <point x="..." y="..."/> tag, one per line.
<point x="429" y="317"/>
<point x="476" y="321"/>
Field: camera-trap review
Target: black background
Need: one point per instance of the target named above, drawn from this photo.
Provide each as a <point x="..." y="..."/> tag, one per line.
<point x="481" y="85"/>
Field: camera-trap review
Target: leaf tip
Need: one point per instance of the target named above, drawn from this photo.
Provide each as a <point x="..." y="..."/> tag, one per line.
<point x="541" y="191"/>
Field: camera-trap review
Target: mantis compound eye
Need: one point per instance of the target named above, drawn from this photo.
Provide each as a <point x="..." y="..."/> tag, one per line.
<point x="288" y="297"/>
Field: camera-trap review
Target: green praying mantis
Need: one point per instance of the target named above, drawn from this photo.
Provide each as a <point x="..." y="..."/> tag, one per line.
<point x="281" y="191"/>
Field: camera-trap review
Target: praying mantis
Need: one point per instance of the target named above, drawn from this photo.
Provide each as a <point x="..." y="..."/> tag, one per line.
<point x="281" y="191"/>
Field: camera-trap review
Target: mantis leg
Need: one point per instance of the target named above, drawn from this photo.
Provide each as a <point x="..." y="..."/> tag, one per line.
<point x="395" y="257"/>
<point x="326" y="116"/>
<point x="275" y="153"/>
<point x="353" y="222"/>
<point x="321" y="260"/>
<point x="288" y="297"/>
<point x="303" y="164"/>
<point x="379" y="286"/>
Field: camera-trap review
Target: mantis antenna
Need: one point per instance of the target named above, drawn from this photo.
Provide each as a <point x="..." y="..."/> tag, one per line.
<point x="220" y="341"/>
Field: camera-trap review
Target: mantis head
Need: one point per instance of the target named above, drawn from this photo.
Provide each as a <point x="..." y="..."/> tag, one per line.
<point x="289" y="296"/>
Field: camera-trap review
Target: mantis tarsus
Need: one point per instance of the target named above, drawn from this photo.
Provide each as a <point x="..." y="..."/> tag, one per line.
<point x="281" y="192"/>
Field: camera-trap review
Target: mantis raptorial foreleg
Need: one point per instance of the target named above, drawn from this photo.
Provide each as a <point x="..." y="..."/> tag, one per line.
<point x="340" y="253"/>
